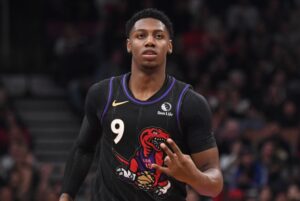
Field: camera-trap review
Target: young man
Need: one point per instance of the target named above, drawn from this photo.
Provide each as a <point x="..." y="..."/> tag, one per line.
<point x="154" y="132"/>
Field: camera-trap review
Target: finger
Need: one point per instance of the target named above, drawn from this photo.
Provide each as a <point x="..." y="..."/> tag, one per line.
<point x="160" y="168"/>
<point x="167" y="161"/>
<point x="167" y="150"/>
<point x="174" y="147"/>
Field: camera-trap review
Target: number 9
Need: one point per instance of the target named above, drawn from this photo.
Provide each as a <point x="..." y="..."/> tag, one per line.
<point x="117" y="127"/>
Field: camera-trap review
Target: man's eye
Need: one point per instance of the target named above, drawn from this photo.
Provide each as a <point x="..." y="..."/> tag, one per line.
<point x="159" y="36"/>
<point x="140" y="35"/>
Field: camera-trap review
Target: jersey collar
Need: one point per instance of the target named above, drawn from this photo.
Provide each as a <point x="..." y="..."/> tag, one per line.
<point x="162" y="93"/>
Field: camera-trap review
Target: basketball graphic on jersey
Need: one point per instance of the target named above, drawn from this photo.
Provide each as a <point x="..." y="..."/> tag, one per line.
<point x="137" y="170"/>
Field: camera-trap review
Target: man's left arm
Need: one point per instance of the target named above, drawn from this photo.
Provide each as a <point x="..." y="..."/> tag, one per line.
<point x="200" y="168"/>
<point x="208" y="180"/>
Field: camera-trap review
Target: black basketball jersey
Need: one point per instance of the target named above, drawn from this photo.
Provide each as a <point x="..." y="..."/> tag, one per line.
<point x="132" y="131"/>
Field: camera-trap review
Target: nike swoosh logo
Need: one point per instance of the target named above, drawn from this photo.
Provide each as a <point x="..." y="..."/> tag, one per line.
<point x="115" y="103"/>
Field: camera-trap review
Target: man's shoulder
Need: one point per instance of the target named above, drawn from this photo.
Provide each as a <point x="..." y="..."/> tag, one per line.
<point x="185" y="88"/>
<point x="192" y="97"/>
<point x="105" y="83"/>
<point x="189" y="94"/>
<point x="178" y="81"/>
<point x="99" y="92"/>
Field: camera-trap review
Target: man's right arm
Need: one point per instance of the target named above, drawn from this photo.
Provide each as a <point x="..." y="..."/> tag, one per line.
<point x="82" y="153"/>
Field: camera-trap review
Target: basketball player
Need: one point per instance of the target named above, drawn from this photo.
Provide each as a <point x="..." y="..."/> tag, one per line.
<point x="154" y="132"/>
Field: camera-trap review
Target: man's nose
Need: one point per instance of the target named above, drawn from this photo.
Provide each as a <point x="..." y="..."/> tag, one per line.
<point x="150" y="41"/>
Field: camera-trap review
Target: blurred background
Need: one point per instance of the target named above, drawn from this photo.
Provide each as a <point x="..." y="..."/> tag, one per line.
<point x="242" y="55"/>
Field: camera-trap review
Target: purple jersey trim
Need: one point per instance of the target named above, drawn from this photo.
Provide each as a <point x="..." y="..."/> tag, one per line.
<point x="108" y="99"/>
<point x="145" y="102"/>
<point x="178" y="106"/>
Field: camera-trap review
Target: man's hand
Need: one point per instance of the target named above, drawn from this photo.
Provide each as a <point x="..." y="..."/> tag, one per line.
<point x="200" y="170"/>
<point x="178" y="165"/>
<point x="65" y="197"/>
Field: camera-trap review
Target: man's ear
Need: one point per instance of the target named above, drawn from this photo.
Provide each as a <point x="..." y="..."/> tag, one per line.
<point x="128" y="45"/>
<point x="170" y="48"/>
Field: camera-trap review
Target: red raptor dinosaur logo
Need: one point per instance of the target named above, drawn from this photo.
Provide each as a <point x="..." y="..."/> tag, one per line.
<point x="138" y="168"/>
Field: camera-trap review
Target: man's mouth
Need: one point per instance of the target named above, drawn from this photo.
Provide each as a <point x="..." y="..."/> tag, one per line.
<point x="149" y="55"/>
<point x="149" y="52"/>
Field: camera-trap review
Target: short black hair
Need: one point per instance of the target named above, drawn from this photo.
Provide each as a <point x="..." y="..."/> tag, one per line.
<point x="149" y="13"/>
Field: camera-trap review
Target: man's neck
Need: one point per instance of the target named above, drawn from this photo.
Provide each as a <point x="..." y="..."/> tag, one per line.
<point x="144" y="85"/>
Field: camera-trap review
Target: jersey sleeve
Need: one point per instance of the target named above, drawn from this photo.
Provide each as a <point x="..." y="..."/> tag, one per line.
<point x="82" y="153"/>
<point x="196" y="122"/>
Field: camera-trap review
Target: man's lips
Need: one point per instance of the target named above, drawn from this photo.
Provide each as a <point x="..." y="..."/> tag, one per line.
<point x="149" y="52"/>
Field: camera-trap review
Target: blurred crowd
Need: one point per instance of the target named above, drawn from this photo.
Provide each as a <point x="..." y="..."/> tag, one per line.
<point x="22" y="177"/>
<point x="242" y="55"/>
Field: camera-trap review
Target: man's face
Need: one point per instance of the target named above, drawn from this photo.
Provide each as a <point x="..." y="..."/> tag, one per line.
<point x="149" y="42"/>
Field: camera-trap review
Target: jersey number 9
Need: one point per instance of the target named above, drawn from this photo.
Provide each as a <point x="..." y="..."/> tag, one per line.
<point x="117" y="127"/>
